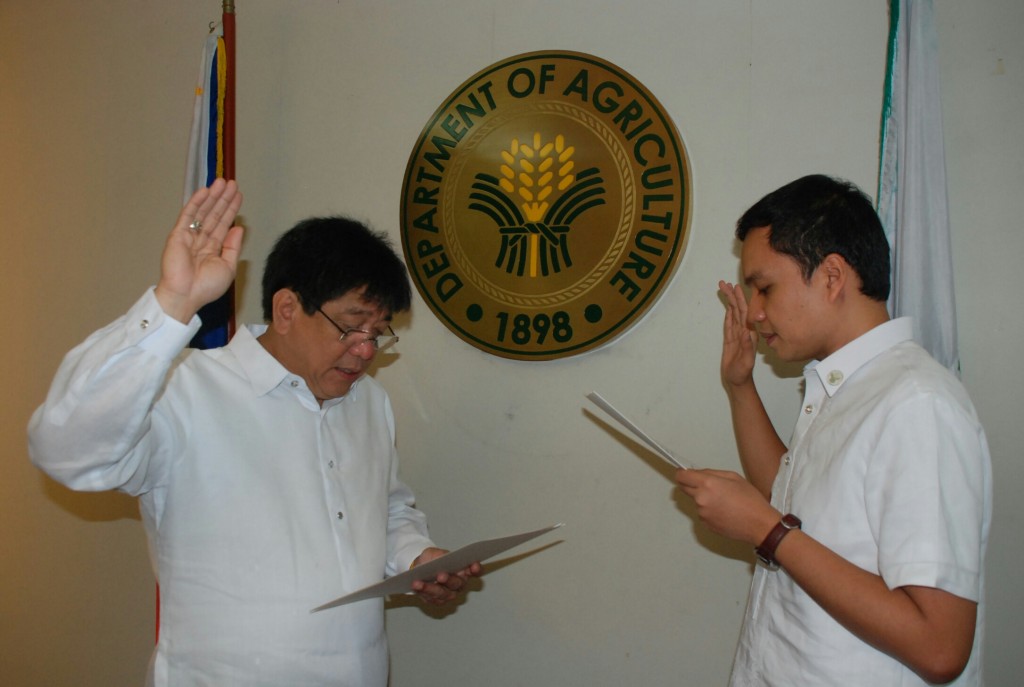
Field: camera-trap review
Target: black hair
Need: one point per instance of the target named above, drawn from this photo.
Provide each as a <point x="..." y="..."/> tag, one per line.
<point x="817" y="215"/>
<point x="323" y="258"/>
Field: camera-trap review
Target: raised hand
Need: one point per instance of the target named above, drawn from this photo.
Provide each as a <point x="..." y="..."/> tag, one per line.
<point x="201" y="254"/>
<point x="739" y="341"/>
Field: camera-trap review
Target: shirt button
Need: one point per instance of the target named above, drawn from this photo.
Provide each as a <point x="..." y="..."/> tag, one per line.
<point x="808" y="409"/>
<point x="144" y="324"/>
<point x="341" y="516"/>
<point x="295" y="383"/>
<point x="330" y="464"/>
<point x="834" y="377"/>
<point x="788" y="460"/>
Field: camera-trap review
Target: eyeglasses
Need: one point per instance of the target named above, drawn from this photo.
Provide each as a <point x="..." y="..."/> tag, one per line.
<point x="354" y="337"/>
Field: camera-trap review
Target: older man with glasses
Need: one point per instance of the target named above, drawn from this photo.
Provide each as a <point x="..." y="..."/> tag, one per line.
<point x="266" y="470"/>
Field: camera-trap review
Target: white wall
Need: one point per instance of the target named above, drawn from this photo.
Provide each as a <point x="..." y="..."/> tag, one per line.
<point x="95" y="101"/>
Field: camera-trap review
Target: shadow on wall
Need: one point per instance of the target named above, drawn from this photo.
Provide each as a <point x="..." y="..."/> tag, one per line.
<point x="718" y="545"/>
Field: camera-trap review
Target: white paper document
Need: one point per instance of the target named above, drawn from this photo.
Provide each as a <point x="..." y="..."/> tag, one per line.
<point x="450" y="562"/>
<point x="637" y="432"/>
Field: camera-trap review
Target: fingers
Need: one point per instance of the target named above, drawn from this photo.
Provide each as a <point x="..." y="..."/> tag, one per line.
<point x="202" y="252"/>
<point x="732" y="306"/>
<point x="693" y="480"/>
<point x="444" y="589"/>
<point x="736" y="303"/>
<point x="211" y="211"/>
<point x="686" y="478"/>
<point x="736" y="329"/>
<point x="452" y="582"/>
<point x="446" y="586"/>
<point x="231" y="249"/>
<point x="732" y="292"/>
<point x="215" y="212"/>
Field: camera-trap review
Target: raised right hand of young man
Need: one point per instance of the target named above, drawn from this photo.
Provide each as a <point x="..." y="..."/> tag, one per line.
<point x="739" y="341"/>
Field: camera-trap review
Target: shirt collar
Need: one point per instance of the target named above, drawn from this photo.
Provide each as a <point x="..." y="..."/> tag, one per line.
<point x="264" y="371"/>
<point x="837" y="368"/>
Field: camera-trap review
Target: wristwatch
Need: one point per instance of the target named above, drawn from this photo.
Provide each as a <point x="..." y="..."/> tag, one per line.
<point x="766" y="551"/>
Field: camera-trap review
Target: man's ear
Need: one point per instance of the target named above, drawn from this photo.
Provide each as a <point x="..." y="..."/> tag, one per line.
<point x="837" y="274"/>
<point x="285" y="308"/>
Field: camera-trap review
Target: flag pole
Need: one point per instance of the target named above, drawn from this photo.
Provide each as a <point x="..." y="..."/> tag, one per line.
<point x="228" y="22"/>
<point x="200" y="177"/>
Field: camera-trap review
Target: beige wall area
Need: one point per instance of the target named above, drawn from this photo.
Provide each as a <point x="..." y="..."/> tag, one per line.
<point x="95" y="107"/>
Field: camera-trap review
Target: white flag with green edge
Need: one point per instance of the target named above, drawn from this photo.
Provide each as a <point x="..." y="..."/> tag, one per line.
<point x="912" y="199"/>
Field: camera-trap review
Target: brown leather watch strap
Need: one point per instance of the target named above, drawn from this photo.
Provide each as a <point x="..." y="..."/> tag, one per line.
<point x="766" y="551"/>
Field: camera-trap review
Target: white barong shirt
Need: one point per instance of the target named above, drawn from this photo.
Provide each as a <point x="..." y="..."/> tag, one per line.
<point x="258" y="504"/>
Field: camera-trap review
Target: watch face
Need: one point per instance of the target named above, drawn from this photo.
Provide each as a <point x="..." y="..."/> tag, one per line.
<point x="791" y="522"/>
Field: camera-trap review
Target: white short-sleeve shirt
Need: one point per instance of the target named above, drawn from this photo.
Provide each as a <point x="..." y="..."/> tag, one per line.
<point x="889" y="468"/>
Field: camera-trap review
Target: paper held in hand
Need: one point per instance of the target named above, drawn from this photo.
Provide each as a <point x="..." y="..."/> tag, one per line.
<point x="450" y="562"/>
<point x="635" y="430"/>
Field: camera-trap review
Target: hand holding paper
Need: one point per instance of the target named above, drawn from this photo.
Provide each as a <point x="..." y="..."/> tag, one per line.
<point x="447" y="584"/>
<point x="456" y="560"/>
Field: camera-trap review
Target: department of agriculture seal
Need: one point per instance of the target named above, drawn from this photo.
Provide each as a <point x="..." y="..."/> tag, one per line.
<point x="545" y="206"/>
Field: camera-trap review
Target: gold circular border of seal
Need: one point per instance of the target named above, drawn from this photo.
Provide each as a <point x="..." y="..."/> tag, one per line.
<point x="563" y="282"/>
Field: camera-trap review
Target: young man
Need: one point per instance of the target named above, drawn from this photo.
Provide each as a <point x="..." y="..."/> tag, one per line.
<point x="888" y="468"/>
<point x="266" y="470"/>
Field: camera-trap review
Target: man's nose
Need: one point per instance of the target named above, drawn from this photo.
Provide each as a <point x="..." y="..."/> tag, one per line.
<point x="755" y="310"/>
<point x="365" y="349"/>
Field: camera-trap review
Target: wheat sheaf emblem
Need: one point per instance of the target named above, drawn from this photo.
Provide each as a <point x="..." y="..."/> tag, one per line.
<point x="534" y="201"/>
